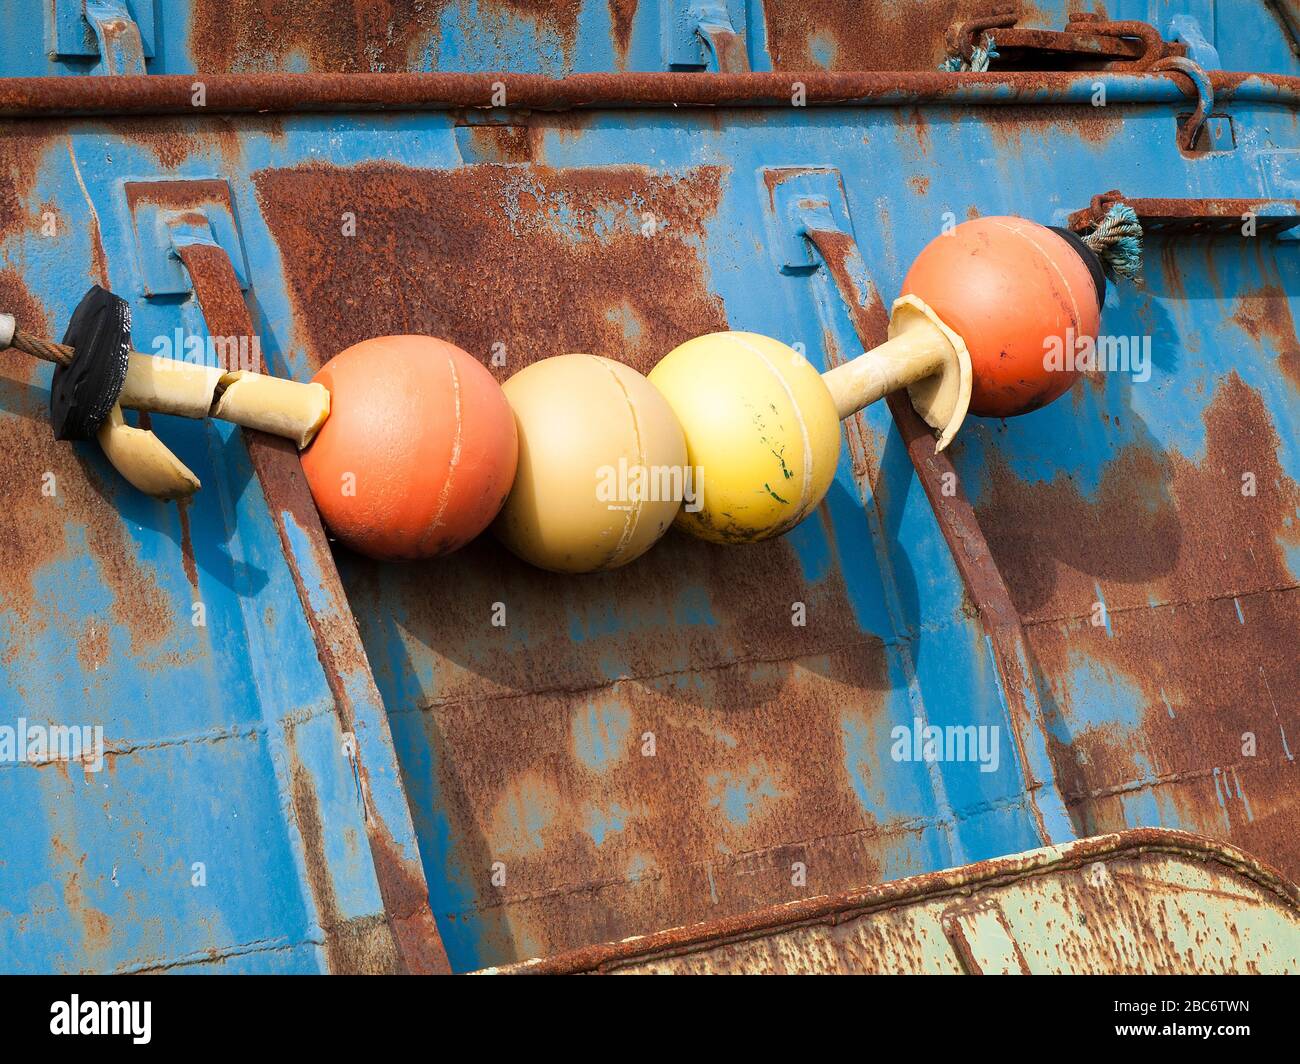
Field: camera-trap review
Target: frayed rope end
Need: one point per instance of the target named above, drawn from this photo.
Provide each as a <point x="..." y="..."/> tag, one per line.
<point x="980" y="56"/>
<point x="1117" y="240"/>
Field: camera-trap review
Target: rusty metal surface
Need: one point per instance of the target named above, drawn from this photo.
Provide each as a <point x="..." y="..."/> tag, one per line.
<point x="1153" y="47"/>
<point x="807" y="34"/>
<point x="743" y="706"/>
<point x="1142" y="901"/>
<point x="1164" y="592"/>
<point x="152" y="621"/>
<point x="558" y="37"/>
<point x="289" y="93"/>
<point x="1087" y="42"/>
<point x="523" y="745"/>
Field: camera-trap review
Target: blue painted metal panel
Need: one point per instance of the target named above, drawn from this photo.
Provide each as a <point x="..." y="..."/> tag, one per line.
<point x="182" y="850"/>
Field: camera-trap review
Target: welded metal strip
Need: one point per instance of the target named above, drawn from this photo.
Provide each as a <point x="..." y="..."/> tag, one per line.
<point x="991" y="598"/>
<point x="338" y="643"/>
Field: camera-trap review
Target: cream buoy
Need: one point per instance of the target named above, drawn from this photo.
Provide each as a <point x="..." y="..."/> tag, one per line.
<point x="599" y="449"/>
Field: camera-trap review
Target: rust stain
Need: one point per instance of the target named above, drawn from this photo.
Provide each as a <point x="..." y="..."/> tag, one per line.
<point x="502" y="144"/>
<point x="1265" y="315"/>
<point x="177" y="195"/>
<point x="921" y="129"/>
<point x="748" y="714"/>
<point x="29" y="312"/>
<point x="1158" y="525"/>
<point x="172" y="141"/>
<point x="187" y="546"/>
<point x="1202" y="625"/>
<point x="35" y="525"/>
<point x="872" y="35"/>
<point x="96" y="926"/>
<point x="93" y="646"/>
<point x="622" y="13"/>
<point x="357" y="945"/>
<point x="449" y="249"/>
<point x="1010" y="127"/>
<point x="21" y="150"/>
<point x="169" y="140"/>
<point x="348" y="36"/>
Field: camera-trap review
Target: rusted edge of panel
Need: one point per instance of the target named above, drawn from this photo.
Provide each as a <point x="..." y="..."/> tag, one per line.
<point x="338" y="643"/>
<point x="237" y="93"/>
<point x="970" y="550"/>
<point x="997" y="611"/>
<point x="837" y="908"/>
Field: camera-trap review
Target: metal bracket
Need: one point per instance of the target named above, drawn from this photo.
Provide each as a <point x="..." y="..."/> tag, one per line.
<point x="1197" y="217"/>
<point x="1189" y="132"/>
<point x="169" y="215"/>
<point x="796" y="195"/>
<point x="701" y="35"/>
<point x="120" y="33"/>
<point x="1087" y="42"/>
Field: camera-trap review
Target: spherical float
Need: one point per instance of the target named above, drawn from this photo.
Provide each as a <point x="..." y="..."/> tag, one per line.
<point x="762" y="433"/>
<point x="1021" y="297"/>
<point x="601" y="461"/>
<point x="418" y="452"/>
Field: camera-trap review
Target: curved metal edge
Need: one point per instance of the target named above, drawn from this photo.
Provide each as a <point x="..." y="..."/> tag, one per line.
<point x="830" y="909"/>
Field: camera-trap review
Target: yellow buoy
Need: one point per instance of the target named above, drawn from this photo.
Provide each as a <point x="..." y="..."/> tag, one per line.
<point x="762" y="433"/>
<point x="601" y="461"/>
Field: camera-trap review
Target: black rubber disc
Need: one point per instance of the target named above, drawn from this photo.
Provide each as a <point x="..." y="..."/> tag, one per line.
<point x="83" y="393"/>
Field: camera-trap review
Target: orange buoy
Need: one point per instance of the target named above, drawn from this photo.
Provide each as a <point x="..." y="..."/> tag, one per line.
<point x="419" y="450"/>
<point x="1021" y="297"/>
